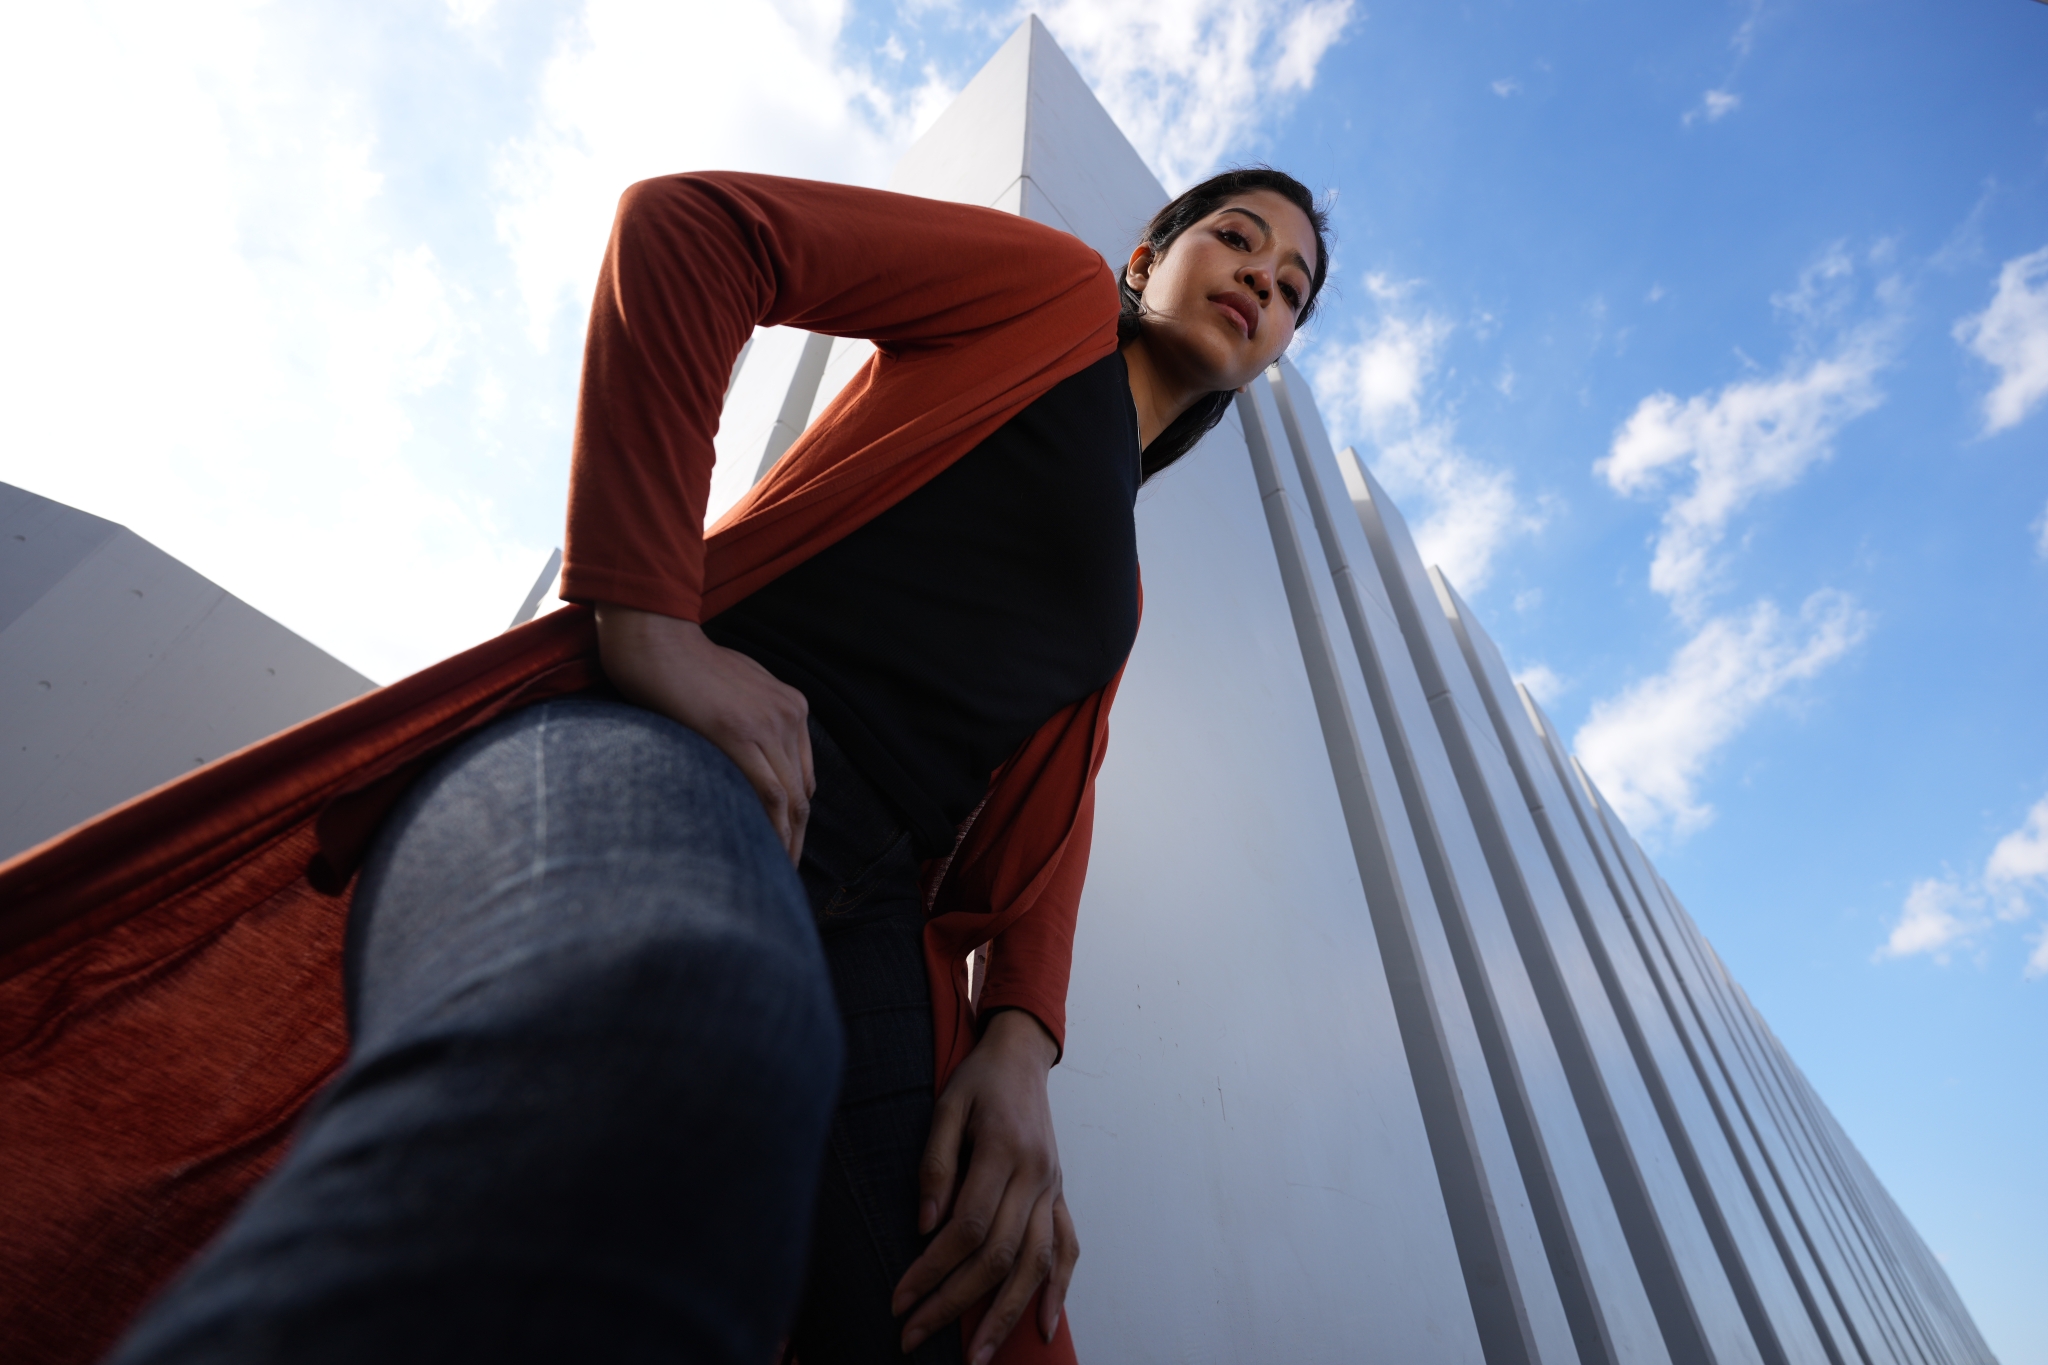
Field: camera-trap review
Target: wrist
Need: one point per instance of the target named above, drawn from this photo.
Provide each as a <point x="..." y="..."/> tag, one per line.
<point x="1019" y="1032"/>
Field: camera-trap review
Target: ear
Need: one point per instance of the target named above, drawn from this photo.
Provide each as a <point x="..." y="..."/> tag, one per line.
<point x="1139" y="268"/>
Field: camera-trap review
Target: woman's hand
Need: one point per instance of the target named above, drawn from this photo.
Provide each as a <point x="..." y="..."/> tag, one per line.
<point x="759" y="722"/>
<point x="1009" y="1225"/>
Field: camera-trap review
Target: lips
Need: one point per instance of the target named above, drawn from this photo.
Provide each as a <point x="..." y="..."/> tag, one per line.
<point x="1241" y="310"/>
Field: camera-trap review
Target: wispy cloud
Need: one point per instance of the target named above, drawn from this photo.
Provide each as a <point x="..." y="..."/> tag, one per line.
<point x="1937" y="913"/>
<point x="1377" y="390"/>
<point x="2012" y="337"/>
<point x="1650" y="747"/>
<point x="1182" y="79"/>
<point x="1542" y="681"/>
<point x="1506" y="86"/>
<point x="1711" y="457"/>
<point x="1718" y="103"/>
<point x="612" y="111"/>
<point x="1752" y="437"/>
<point x="1941" y="914"/>
<point x="1714" y="106"/>
<point x="271" y="338"/>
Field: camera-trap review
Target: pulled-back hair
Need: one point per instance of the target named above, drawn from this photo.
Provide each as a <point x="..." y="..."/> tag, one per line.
<point x="1188" y="208"/>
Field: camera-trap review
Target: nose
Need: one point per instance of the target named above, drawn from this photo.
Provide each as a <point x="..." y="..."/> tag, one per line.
<point x="1259" y="281"/>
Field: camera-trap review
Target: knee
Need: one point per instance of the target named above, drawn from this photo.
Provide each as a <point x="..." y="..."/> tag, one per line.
<point x="662" y="1005"/>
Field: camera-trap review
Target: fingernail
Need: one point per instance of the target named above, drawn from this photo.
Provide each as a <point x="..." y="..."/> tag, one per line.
<point x="984" y="1355"/>
<point x="911" y="1340"/>
<point x="927" y="1214"/>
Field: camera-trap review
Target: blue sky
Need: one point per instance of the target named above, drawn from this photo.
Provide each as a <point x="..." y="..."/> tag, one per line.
<point x="1706" y="345"/>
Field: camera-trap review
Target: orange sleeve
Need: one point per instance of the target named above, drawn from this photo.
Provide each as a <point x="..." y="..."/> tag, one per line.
<point x="1029" y="962"/>
<point x="694" y="264"/>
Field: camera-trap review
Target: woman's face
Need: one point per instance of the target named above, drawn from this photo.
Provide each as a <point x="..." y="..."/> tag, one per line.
<point x="1223" y="300"/>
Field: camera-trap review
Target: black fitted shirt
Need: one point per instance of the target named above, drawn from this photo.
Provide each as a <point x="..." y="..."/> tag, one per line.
<point x="937" y="638"/>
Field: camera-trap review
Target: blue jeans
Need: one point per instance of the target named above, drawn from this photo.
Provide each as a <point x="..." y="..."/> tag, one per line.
<point x="596" y="1050"/>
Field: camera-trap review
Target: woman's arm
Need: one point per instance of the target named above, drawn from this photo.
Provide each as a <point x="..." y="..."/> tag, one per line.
<point x="1009" y="1232"/>
<point x="696" y="262"/>
<point x="1008" y="1228"/>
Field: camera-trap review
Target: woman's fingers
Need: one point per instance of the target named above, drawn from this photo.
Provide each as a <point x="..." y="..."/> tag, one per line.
<point x="758" y="721"/>
<point x="996" y="1243"/>
<point x="973" y="1214"/>
<point x="809" y="788"/>
<point x="1035" y="1261"/>
<point x="1066" y="1251"/>
<point x="941" y="1155"/>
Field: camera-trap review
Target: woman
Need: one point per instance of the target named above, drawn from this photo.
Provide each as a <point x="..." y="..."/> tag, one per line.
<point x="595" y="1041"/>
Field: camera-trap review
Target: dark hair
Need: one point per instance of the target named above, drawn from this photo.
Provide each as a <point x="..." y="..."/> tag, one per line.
<point x="1188" y="208"/>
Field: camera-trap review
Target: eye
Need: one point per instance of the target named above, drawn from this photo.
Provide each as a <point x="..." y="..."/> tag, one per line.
<point x="1292" y="295"/>
<point x="1235" y="238"/>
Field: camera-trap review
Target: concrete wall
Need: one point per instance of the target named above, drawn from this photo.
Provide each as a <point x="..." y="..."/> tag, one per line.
<point x="121" y="669"/>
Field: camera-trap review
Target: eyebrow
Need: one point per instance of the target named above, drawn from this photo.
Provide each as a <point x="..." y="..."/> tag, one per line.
<point x="1267" y="228"/>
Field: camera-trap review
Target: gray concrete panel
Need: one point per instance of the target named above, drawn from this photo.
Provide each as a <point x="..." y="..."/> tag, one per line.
<point x="1507" y="1273"/>
<point x="1244" y="1151"/>
<point x="974" y="151"/>
<point x="1610" y="1315"/>
<point x="1587" y="1011"/>
<point x="1727" y="1189"/>
<point x="1859" y="1240"/>
<point x="40" y="542"/>
<point x="1868" y="1204"/>
<point x="131" y="670"/>
<point x="753" y="405"/>
<point x="1586" y="865"/>
<point x="1733" y="1085"/>
<point x="1090" y="196"/>
<point x="1820" y="1219"/>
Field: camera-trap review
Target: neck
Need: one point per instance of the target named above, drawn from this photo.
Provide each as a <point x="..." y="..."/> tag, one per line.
<point x="1159" y="395"/>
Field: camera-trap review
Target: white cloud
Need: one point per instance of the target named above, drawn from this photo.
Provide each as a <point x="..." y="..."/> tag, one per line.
<point x="2019" y="861"/>
<point x="616" y="107"/>
<point x="2012" y="336"/>
<point x="229" y="342"/>
<point x="1649" y="747"/>
<point x="1714" y="106"/>
<point x="1950" y="911"/>
<point x="1542" y="682"/>
<point x="1507" y="86"/>
<point x="1752" y="437"/>
<point x="1183" y="79"/>
<point x="1376" y="391"/>
<point x="1929" y="923"/>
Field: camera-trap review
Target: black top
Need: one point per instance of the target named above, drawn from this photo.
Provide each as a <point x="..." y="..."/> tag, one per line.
<point x="937" y="638"/>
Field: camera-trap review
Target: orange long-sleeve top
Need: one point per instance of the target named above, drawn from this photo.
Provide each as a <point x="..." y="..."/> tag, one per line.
<point x="170" y="972"/>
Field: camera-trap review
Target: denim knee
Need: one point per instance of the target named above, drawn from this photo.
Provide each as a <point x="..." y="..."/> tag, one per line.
<point x="574" y="821"/>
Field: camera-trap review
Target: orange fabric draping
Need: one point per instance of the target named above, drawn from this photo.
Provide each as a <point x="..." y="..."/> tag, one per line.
<point x="170" y="971"/>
